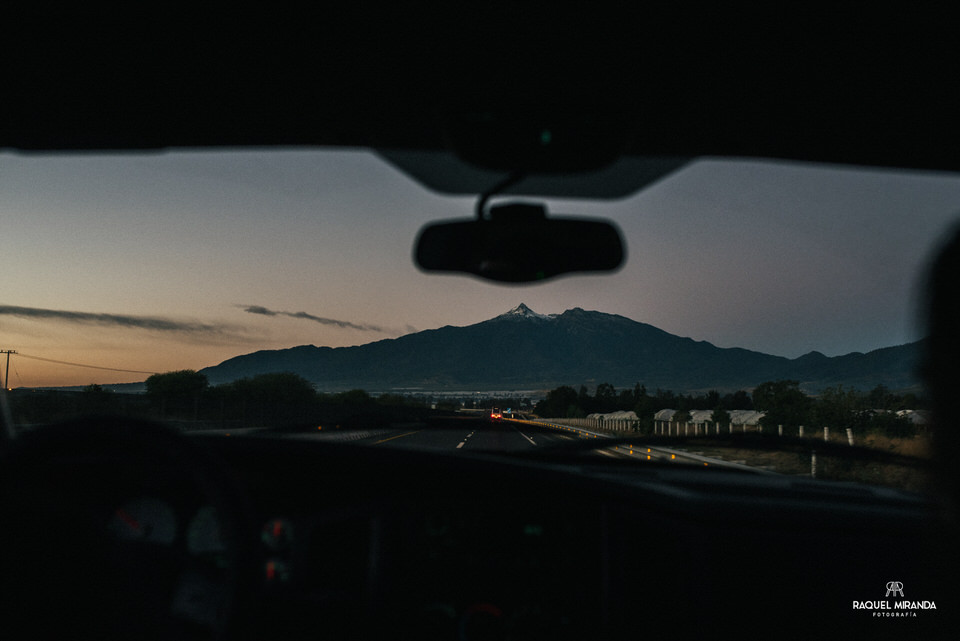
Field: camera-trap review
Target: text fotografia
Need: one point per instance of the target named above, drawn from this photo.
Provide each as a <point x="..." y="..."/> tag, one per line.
<point x="894" y="608"/>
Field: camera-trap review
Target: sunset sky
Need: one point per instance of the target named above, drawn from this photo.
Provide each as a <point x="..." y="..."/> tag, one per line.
<point x="155" y="262"/>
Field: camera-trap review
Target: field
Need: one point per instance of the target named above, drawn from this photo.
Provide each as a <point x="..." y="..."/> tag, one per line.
<point x="901" y="463"/>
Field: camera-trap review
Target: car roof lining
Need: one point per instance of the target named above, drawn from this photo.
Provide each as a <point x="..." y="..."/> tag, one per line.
<point x="675" y="84"/>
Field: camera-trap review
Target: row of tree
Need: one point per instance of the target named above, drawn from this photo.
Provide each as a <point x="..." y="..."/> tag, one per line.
<point x="566" y="402"/>
<point x="783" y="403"/>
<point x="277" y="399"/>
<point x="837" y="407"/>
<point x="286" y="399"/>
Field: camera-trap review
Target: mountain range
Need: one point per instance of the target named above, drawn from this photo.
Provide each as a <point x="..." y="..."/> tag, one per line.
<point x="524" y="350"/>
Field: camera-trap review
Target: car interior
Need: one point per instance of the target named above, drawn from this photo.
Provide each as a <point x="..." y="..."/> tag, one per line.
<point x="120" y="528"/>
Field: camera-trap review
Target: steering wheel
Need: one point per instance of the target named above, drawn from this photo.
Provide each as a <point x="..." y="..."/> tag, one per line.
<point x="119" y="528"/>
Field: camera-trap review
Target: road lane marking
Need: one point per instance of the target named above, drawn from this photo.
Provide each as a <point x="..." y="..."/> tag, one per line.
<point x="397" y="436"/>
<point x="464" y="441"/>
<point x="525" y="436"/>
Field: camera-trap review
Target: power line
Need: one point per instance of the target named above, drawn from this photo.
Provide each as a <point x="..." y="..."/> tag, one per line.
<point x="109" y="369"/>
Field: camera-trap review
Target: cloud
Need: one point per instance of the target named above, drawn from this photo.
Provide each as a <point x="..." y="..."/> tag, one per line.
<point x="121" y="321"/>
<point x="263" y="311"/>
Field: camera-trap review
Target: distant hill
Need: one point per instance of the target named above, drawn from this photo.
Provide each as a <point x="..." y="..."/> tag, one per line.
<point x="521" y="349"/>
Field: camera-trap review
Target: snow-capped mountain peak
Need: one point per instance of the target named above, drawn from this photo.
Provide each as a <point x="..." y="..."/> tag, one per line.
<point x="522" y="311"/>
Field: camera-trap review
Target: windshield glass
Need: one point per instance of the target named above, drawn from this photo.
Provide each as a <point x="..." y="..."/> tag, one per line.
<point x="275" y="290"/>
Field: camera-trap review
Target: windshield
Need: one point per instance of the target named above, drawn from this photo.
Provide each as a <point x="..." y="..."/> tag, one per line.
<point x="274" y="290"/>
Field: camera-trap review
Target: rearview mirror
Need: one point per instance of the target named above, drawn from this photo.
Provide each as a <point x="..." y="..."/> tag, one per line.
<point x="518" y="243"/>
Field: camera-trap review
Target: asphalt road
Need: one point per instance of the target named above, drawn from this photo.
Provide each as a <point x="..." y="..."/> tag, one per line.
<point x="474" y="434"/>
<point x="480" y="434"/>
<point x="470" y="434"/>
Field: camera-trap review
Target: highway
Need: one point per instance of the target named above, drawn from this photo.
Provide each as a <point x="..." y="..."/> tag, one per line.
<point x="474" y="434"/>
<point x="479" y="434"/>
<point x="469" y="434"/>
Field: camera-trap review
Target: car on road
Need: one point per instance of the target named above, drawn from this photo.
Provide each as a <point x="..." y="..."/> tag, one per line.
<point x="174" y="160"/>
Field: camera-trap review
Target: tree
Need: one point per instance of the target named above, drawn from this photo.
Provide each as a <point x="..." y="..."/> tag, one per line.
<point x="583" y="394"/>
<point x="283" y="388"/>
<point x="720" y="416"/>
<point x="185" y="382"/>
<point x="276" y="398"/>
<point x="739" y="400"/>
<point x="880" y="398"/>
<point x="605" y="397"/>
<point x="841" y="408"/>
<point x="784" y="404"/>
<point x="645" y="406"/>
<point x="353" y="397"/>
<point x="665" y="399"/>
<point x="558" y="402"/>
<point x="178" y="391"/>
<point x="711" y="400"/>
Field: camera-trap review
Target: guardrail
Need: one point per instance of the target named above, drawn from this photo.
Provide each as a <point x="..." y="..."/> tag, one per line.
<point x="619" y="425"/>
<point x="559" y="426"/>
<point x="645" y="451"/>
<point x="687" y="428"/>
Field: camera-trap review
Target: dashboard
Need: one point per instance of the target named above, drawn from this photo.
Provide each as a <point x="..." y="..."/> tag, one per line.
<point x="384" y="542"/>
<point x="152" y="534"/>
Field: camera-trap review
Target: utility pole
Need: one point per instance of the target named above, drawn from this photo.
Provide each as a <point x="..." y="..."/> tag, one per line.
<point x="6" y="377"/>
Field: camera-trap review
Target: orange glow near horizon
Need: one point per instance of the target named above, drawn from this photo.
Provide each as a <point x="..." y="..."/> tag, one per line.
<point x="79" y="367"/>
